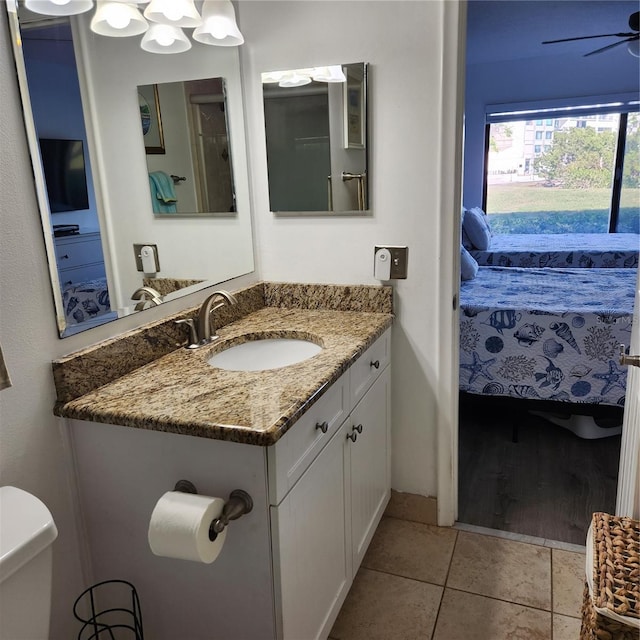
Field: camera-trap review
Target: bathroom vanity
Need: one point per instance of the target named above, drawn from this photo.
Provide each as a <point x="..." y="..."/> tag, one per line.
<point x="309" y="442"/>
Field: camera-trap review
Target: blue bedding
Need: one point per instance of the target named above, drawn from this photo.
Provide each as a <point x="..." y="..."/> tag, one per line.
<point x="551" y="334"/>
<point x="86" y="300"/>
<point x="571" y="250"/>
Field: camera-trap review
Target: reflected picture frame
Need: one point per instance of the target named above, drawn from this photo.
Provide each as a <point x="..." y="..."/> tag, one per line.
<point x="150" y="119"/>
<point x="355" y="107"/>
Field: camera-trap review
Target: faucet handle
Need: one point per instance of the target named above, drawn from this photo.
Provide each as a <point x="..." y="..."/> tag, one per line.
<point x="193" y="335"/>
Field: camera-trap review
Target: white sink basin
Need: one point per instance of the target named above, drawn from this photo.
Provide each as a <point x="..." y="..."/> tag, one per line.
<point x="265" y="353"/>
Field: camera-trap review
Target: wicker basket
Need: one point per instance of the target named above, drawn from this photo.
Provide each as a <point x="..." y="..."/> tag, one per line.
<point x="610" y="609"/>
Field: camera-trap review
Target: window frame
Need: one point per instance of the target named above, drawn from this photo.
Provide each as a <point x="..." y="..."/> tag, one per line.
<point x="543" y="111"/>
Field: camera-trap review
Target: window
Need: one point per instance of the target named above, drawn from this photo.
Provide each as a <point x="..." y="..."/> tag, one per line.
<point x="539" y="123"/>
<point x="629" y="214"/>
<point x="549" y="123"/>
<point x="567" y="185"/>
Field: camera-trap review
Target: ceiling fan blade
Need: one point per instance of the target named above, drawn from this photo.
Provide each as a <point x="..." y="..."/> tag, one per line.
<point x="601" y="35"/>
<point x="611" y="46"/>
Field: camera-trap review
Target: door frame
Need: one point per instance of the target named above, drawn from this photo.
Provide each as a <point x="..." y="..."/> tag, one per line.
<point x="451" y="155"/>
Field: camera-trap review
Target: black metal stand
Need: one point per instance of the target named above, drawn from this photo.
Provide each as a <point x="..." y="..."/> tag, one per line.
<point x="101" y="625"/>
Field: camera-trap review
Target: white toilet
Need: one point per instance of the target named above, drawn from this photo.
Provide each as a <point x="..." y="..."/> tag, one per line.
<point x="27" y="531"/>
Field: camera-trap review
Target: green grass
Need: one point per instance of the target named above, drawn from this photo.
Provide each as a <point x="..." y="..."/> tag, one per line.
<point x="533" y="208"/>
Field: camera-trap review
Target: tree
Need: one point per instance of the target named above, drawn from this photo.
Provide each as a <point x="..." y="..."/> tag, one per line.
<point x="580" y="158"/>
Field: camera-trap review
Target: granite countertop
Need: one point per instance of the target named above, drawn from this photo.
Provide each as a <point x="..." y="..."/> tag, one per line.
<point x="181" y="393"/>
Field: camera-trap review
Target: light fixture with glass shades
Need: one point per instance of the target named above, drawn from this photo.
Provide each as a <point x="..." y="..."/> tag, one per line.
<point x="300" y="77"/>
<point x="161" y="21"/>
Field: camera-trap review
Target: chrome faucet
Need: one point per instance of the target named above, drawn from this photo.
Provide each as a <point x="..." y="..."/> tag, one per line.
<point x="200" y="328"/>
<point x="204" y="315"/>
<point x="146" y="295"/>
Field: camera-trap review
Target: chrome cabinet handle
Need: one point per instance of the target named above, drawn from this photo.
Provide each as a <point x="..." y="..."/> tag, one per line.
<point x="357" y="428"/>
<point x="323" y="426"/>
<point x="630" y="361"/>
<point x="375" y="364"/>
<point x="352" y="436"/>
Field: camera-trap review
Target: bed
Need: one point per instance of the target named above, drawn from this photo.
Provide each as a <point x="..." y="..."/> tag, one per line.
<point x="548" y="334"/>
<point x="86" y="301"/>
<point x="572" y="250"/>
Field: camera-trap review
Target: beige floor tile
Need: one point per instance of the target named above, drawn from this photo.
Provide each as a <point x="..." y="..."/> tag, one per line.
<point x="565" y="628"/>
<point x="503" y="569"/>
<point x="412" y="550"/>
<point x="465" y="616"/>
<point x="568" y="582"/>
<point x="409" y="506"/>
<point x="384" y="607"/>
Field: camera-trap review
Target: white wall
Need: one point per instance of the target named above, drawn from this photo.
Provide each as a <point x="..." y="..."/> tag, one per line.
<point x="403" y="43"/>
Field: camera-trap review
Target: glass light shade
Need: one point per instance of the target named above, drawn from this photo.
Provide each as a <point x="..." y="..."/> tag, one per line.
<point x="273" y="76"/>
<point x="294" y="79"/>
<point x="163" y="38"/>
<point x="177" y="13"/>
<point x="117" y="19"/>
<point x="333" y="73"/>
<point x="218" y="25"/>
<point x="58" y="7"/>
<point x="634" y="48"/>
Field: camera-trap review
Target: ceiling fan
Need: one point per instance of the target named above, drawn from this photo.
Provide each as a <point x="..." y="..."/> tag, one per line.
<point x="629" y="36"/>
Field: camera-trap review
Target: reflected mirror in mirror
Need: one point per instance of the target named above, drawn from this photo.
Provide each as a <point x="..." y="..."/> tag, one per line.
<point x="82" y="117"/>
<point x="317" y="136"/>
<point x="186" y="140"/>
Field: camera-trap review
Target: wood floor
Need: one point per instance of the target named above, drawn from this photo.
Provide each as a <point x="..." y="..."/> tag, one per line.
<point x="547" y="484"/>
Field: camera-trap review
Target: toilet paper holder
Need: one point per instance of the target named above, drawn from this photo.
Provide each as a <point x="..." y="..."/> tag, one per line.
<point x="239" y="503"/>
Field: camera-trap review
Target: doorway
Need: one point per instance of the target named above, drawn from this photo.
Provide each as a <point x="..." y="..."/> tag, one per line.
<point x="450" y="474"/>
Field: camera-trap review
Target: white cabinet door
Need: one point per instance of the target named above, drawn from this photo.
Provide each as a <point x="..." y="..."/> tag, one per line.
<point x="368" y="464"/>
<point x="309" y="547"/>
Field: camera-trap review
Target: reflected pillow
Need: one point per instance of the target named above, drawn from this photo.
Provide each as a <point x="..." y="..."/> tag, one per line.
<point x="466" y="243"/>
<point x="476" y="226"/>
<point x="468" y="265"/>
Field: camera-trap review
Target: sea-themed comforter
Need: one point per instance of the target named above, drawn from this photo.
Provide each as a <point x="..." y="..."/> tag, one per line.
<point x="552" y="334"/>
<point x="86" y="300"/>
<point x="559" y="250"/>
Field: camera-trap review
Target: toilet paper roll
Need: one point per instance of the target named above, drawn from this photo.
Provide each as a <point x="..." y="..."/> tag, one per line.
<point x="179" y="527"/>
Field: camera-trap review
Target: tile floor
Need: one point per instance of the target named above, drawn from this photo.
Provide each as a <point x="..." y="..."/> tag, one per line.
<point x="423" y="582"/>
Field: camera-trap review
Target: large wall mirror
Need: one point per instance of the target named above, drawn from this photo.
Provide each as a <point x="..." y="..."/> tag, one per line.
<point x="93" y="164"/>
<point x="316" y="129"/>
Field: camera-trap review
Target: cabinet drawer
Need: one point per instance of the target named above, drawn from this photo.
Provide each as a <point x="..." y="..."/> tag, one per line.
<point x="78" y="252"/>
<point x="69" y="277"/>
<point x="369" y="366"/>
<point x="295" y="451"/>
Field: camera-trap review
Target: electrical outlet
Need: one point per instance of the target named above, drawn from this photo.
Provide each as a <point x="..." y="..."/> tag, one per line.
<point x="399" y="258"/>
<point x="137" y="248"/>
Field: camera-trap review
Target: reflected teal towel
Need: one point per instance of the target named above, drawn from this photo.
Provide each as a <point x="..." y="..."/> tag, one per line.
<point x="163" y="196"/>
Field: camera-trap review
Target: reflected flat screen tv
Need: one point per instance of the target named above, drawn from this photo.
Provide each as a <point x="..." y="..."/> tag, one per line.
<point x="65" y="174"/>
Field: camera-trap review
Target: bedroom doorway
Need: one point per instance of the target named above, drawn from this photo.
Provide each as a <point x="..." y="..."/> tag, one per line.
<point x="628" y="446"/>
